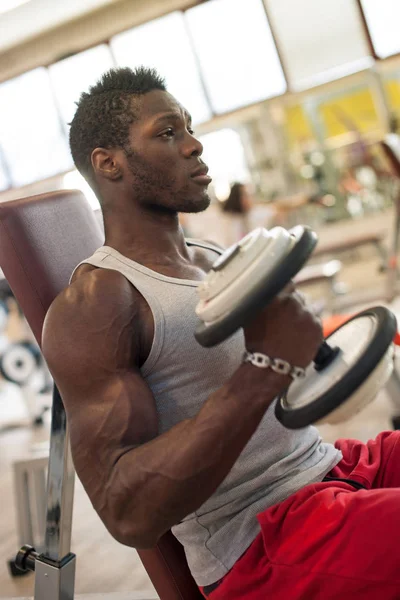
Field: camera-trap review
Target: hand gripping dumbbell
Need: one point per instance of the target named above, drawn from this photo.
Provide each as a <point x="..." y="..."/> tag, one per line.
<point x="352" y="364"/>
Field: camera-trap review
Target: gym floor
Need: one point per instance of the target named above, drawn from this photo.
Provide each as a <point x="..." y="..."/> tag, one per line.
<point x="103" y="565"/>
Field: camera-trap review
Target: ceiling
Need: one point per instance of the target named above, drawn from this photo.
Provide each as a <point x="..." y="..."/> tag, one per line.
<point x="36" y="16"/>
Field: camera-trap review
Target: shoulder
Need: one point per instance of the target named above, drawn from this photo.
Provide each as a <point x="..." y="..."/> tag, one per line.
<point x="97" y="303"/>
<point x="96" y="289"/>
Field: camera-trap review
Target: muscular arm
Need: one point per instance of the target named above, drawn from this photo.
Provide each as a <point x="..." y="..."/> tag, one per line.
<point x="140" y="483"/>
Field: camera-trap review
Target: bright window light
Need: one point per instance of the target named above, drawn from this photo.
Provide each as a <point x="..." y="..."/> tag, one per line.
<point x="383" y="18"/>
<point x="33" y="142"/>
<point x="164" y="45"/>
<point x="74" y="75"/>
<point x="7" y="5"/>
<point x="224" y="154"/>
<point x="75" y="181"/>
<point x="4" y="179"/>
<point x="236" y="51"/>
<point x="319" y="40"/>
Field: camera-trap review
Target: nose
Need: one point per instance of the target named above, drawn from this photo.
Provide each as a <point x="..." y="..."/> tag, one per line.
<point x="192" y="146"/>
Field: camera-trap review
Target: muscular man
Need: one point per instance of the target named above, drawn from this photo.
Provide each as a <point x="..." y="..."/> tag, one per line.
<point x="166" y="434"/>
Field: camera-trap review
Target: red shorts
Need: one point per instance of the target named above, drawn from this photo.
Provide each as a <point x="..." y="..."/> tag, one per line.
<point x="330" y="540"/>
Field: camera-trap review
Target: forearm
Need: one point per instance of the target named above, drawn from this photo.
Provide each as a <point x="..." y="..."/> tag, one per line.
<point x="164" y="480"/>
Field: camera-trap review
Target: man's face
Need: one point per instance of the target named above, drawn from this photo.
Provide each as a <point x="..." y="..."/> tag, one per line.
<point x="164" y="165"/>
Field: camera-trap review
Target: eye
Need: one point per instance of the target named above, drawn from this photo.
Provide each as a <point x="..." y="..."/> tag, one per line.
<point x="190" y="130"/>
<point x="168" y="133"/>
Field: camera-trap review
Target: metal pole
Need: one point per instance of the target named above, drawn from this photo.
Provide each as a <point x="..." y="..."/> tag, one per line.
<point x="55" y="567"/>
<point x="60" y="485"/>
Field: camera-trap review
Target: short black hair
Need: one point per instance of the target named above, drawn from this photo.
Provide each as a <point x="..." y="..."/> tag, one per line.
<point x="106" y="111"/>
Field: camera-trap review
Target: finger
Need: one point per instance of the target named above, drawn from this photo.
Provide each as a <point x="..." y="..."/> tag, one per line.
<point x="306" y="304"/>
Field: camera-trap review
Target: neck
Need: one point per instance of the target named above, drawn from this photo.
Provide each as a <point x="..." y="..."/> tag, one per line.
<point x="146" y="235"/>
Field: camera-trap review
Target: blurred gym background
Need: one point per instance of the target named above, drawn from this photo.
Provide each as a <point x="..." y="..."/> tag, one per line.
<point x="297" y="104"/>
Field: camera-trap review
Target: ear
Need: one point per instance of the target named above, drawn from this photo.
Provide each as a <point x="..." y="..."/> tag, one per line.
<point x="105" y="163"/>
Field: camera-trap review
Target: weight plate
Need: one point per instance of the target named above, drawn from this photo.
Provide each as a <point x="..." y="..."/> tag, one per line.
<point x="19" y="362"/>
<point x="257" y="290"/>
<point x="364" y="394"/>
<point x="365" y="341"/>
<point x="234" y="273"/>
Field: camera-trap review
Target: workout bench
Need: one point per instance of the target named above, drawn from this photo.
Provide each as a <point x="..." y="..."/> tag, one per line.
<point x="42" y="239"/>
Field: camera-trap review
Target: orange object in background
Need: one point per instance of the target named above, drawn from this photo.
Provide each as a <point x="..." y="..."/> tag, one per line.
<point x="330" y="324"/>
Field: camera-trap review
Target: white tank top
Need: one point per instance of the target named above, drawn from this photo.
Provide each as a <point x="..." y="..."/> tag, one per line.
<point x="275" y="463"/>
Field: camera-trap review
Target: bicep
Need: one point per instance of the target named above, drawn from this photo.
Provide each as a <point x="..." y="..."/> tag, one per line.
<point x="90" y="344"/>
<point x="106" y="423"/>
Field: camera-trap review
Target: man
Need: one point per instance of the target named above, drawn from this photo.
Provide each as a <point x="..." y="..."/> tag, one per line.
<point x="166" y="434"/>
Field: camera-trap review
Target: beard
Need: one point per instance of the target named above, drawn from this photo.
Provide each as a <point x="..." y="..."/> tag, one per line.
<point x="159" y="190"/>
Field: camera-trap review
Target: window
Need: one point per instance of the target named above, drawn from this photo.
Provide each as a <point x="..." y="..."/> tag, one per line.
<point x="236" y="51"/>
<point x="319" y="40"/>
<point x="11" y="4"/>
<point x="383" y="17"/>
<point x="165" y="45"/>
<point x="31" y="135"/>
<point x="74" y="75"/>
<point x="74" y="180"/>
<point x="224" y="154"/>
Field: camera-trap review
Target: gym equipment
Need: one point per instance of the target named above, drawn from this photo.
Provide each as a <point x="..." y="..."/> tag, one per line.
<point x="351" y="381"/>
<point x="352" y="243"/>
<point x="246" y="277"/>
<point x="392" y="387"/>
<point x="38" y="262"/>
<point x="30" y="495"/>
<point x="19" y="362"/>
<point x="22" y="364"/>
<point x="347" y="372"/>
<point x="393" y="264"/>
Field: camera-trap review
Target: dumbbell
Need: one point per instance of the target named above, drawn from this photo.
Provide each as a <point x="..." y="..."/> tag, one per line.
<point x="352" y="364"/>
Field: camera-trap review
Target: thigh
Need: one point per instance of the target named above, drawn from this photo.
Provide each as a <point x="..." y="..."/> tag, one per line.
<point x="323" y="543"/>
<point x="376" y="464"/>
